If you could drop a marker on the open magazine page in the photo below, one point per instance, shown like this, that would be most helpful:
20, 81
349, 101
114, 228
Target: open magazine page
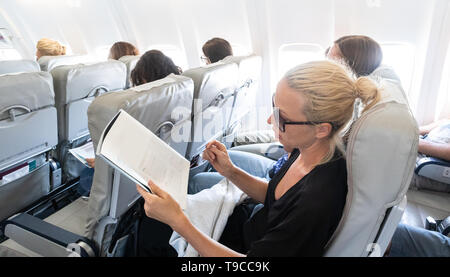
141, 154
83, 152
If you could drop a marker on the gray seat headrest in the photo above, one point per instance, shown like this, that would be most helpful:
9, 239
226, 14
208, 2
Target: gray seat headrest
32, 91
47, 63
18, 66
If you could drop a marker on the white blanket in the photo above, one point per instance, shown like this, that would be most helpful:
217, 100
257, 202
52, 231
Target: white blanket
208, 210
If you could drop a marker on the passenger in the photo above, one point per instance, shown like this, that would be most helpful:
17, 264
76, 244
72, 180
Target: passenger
152, 66
410, 241
307, 119
435, 143
216, 49
49, 47
361, 54
122, 48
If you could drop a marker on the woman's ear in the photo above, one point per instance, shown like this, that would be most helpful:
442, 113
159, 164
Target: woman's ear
323, 130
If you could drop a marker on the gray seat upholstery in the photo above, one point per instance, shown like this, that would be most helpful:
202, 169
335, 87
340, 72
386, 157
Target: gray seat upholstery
27, 103
247, 87
130, 62
164, 107
48, 63
18, 66
76, 86
381, 154
214, 87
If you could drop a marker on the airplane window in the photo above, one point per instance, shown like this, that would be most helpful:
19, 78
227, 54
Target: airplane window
400, 56
174, 53
291, 55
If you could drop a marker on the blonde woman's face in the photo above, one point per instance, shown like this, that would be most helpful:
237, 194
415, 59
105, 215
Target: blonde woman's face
290, 104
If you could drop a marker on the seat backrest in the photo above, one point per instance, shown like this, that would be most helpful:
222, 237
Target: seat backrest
214, 87
164, 107
247, 86
27, 116
18, 66
130, 62
381, 153
48, 63
76, 86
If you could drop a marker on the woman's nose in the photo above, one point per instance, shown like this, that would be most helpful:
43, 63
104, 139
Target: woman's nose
269, 120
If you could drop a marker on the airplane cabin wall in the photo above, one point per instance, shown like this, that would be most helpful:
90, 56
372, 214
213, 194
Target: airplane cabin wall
276, 30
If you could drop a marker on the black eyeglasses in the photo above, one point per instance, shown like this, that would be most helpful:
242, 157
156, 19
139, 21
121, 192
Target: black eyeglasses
281, 123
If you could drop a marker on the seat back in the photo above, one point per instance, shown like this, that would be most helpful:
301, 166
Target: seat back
247, 86
18, 66
28, 130
130, 62
164, 107
48, 63
381, 153
76, 86
214, 87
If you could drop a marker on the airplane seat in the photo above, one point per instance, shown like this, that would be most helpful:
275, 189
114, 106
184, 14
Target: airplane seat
28, 131
246, 90
98, 227
214, 87
130, 62
48, 63
18, 66
76, 86
380, 153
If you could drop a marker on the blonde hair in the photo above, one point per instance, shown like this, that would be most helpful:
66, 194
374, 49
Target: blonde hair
49, 47
330, 92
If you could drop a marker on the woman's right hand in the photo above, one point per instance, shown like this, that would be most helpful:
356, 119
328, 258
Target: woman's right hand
216, 154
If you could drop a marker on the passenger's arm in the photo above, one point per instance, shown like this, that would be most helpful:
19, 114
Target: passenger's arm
216, 153
162, 207
423, 130
437, 150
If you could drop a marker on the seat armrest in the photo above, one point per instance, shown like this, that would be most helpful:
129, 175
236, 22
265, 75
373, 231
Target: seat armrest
433, 168
46, 239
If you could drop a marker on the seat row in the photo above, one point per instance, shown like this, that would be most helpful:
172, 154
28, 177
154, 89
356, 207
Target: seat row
44, 114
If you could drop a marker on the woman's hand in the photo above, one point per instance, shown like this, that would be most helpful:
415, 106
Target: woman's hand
216, 154
91, 162
161, 206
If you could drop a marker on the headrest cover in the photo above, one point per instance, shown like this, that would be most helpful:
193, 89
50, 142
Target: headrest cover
31, 90
18, 66
47, 63
130, 62
74, 82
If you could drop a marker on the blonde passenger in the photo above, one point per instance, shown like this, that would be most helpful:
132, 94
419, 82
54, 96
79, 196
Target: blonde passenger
312, 104
49, 47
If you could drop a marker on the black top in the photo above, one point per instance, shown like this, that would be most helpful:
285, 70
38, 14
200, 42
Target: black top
302, 221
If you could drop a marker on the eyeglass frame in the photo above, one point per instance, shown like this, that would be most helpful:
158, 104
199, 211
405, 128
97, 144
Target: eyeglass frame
282, 124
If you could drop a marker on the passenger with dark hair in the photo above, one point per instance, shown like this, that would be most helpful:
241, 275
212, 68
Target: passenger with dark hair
216, 49
152, 66
122, 48
361, 53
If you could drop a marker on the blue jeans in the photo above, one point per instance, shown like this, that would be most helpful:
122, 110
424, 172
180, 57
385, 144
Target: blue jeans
85, 183
409, 241
253, 164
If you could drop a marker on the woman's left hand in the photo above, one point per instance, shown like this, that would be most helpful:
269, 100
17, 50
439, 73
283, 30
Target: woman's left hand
161, 206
